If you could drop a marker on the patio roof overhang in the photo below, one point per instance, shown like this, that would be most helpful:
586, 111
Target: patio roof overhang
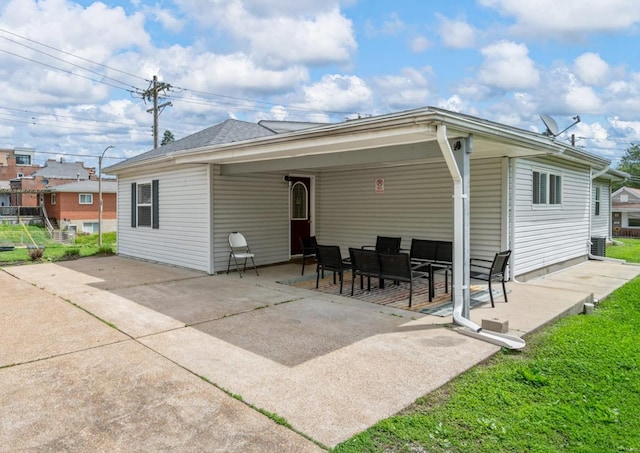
391, 139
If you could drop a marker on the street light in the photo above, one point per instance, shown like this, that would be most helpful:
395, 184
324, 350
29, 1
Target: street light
100, 195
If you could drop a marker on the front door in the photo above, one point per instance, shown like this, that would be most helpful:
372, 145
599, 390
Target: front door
300, 198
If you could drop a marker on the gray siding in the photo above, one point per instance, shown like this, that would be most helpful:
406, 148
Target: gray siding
548, 235
600, 224
488, 197
183, 238
256, 205
417, 202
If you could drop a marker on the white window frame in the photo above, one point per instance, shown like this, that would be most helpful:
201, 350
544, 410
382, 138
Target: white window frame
144, 205
84, 195
598, 196
545, 182
53, 199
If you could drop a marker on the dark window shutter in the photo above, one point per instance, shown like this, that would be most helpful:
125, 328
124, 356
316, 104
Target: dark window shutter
134, 202
154, 203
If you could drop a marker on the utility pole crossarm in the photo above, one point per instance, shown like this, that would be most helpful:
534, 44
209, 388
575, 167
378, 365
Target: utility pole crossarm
152, 95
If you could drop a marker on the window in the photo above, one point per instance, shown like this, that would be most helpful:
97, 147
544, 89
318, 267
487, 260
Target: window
53, 198
597, 204
547, 188
86, 198
23, 159
90, 227
634, 220
624, 198
145, 205
299, 203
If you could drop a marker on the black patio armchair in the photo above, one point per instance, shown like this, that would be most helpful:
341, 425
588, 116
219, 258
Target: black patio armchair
330, 259
385, 244
488, 271
309, 246
397, 267
364, 263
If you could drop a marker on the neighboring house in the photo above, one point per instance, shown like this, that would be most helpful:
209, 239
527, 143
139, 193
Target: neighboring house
625, 209
15, 164
424, 173
28, 188
75, 206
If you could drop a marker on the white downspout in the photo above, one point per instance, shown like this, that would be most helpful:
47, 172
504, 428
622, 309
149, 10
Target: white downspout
459, 301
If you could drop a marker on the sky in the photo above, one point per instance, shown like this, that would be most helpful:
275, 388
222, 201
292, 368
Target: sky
73, 74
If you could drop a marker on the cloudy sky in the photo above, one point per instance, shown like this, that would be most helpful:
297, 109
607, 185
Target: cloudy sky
73, 73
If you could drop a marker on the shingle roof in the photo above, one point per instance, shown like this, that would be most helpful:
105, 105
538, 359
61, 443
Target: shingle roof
62, 170
226, 132
86, 186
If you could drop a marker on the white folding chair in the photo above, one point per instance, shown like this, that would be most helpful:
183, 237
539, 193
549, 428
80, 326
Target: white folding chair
240, 249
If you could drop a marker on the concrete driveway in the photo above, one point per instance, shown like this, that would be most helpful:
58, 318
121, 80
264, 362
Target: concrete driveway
123, 355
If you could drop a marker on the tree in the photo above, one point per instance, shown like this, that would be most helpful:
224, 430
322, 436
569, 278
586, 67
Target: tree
630, 163
167, 138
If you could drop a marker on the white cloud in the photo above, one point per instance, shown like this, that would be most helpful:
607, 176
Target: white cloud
408, 89
338, 93
457, 34
591, 69
507, 66
569, 17
583, 99
391, 26
419, 44
288, 35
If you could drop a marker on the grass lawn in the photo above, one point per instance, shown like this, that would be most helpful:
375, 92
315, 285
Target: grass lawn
16, 235
575, 387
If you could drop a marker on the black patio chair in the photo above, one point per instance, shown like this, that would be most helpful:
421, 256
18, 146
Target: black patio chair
385, 244
330, 259
444, 261
397, 267
488, 271
364, 263
308, 245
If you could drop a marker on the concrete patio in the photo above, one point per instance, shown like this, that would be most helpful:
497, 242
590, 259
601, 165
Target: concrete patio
118, 354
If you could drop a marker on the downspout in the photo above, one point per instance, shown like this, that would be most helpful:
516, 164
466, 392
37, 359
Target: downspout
459, 302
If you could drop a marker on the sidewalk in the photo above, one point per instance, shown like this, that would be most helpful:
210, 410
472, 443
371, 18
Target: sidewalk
115, 354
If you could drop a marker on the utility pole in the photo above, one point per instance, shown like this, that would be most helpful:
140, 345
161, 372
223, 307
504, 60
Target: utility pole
151, 94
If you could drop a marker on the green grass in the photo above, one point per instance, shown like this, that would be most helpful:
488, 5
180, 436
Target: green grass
628, 251
85, 245
576, 387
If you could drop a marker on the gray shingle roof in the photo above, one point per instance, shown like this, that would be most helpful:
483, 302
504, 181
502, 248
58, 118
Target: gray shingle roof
86, 186
62, 170
226, 132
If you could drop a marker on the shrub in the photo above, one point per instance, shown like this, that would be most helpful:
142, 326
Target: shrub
72, 253
36, 253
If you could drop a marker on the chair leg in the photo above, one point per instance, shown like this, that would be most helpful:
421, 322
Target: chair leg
353, 281
254, 266
491, 295
302, 263
237, 266
410, 291
318, 276
229, 263
341, 280
504, 291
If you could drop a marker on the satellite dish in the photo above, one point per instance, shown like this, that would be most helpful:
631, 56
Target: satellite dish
550, 123
552, 126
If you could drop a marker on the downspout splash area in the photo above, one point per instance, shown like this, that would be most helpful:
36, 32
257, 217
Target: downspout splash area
468, 327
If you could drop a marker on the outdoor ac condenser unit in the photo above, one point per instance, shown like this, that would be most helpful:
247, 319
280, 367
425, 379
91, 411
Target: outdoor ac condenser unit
598, 246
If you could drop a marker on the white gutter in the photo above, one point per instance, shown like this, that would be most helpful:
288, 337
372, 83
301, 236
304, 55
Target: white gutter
459, 301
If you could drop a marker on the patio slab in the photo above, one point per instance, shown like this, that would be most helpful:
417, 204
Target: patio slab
330, 365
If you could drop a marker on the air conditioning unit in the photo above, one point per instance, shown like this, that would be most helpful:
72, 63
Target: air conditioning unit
598, 246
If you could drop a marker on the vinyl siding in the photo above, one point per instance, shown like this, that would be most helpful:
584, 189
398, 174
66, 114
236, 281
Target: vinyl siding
183, 238
600, 226
548, 235
256, 205
417, 202
487, 203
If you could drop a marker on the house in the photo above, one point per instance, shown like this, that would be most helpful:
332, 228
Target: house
424, 173
15, 164
625, 212
75, 206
